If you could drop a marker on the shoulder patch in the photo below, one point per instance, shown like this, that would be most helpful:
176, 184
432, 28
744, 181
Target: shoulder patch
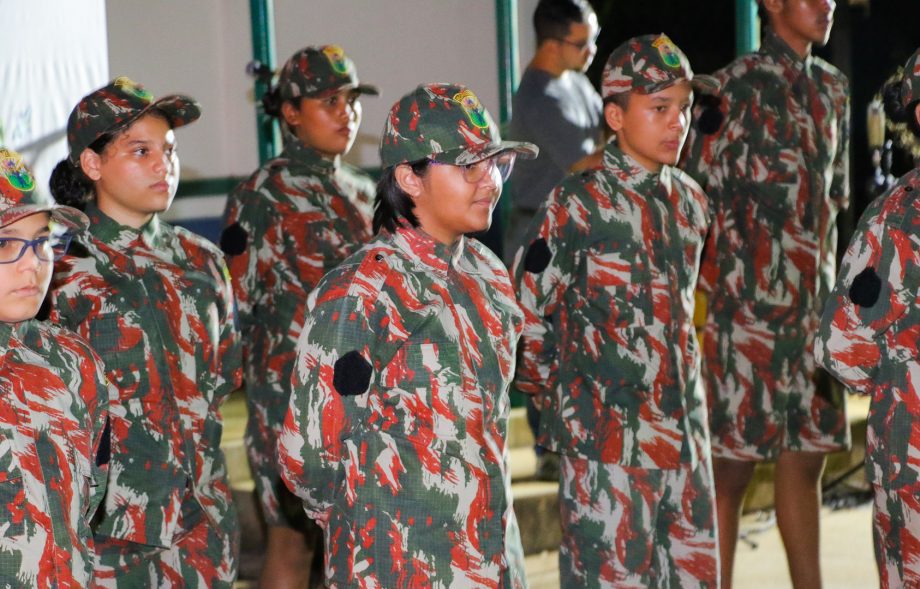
865, 288
538, 256
351, 374
233, 240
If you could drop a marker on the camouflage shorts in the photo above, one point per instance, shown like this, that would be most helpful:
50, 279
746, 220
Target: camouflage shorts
201, 557
765, 393
636, 527
896, 533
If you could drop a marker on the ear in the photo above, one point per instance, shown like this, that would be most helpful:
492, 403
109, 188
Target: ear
917, 113
772, 6
408, 181
290, 112
91, 164
613, 114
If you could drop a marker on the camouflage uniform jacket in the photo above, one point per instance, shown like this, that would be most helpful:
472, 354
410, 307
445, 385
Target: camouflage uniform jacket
54, 402
157, 305
396, 434
615, 258
773, 159
870, 331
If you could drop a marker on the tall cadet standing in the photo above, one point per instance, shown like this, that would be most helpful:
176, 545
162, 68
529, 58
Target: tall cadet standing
614, 253
54, 398
396, 434
773, 159
870, 340
155, 302
293, 220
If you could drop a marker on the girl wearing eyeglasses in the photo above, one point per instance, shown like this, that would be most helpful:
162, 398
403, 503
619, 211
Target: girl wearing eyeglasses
395, 438
155, 302
293, 220
54, 399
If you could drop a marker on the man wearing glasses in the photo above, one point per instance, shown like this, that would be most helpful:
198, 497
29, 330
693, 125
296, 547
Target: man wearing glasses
558, 109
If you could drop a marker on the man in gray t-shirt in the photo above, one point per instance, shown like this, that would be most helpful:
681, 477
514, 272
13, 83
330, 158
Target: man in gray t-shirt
555, 107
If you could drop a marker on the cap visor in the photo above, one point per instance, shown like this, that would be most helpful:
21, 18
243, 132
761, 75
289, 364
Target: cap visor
706, 84
69, 217
180, 110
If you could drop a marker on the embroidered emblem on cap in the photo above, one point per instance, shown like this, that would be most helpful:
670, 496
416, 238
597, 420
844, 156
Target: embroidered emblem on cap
133, 88
336, 57
667, 51
15, 171
472, 107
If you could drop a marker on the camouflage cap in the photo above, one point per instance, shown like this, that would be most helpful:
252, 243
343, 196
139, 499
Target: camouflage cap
648, 64
910, 87
316, 71
117, 105
445, 123
19, 197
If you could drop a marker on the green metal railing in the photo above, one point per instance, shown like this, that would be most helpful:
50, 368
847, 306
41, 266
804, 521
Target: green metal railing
262, 15
747, 26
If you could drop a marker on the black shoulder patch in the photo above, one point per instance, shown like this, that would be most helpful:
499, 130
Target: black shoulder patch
865, 288
233, 240
105, 445
352, 374
538, 257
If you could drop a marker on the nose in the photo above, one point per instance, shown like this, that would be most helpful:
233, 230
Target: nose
29, 260
828, 6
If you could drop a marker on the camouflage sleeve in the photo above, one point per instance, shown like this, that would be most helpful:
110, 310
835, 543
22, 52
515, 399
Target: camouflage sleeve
876, 286
543, 269
840, 182
105, 410
332, 366
230, 373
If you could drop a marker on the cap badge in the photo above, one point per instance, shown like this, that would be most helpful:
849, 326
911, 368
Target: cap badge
15, 171
472, 107
129, 86
667, 51
336, 57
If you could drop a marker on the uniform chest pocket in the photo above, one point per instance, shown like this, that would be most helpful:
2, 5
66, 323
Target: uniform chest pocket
120, 343
619, 282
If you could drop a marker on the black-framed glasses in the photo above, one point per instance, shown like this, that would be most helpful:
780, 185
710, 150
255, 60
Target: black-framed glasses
46, 248
500, 164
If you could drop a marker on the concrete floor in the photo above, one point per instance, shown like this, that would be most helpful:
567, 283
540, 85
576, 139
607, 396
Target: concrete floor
847, 560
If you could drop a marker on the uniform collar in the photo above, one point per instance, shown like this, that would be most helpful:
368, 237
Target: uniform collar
632, 171
431, 252
301, 156
10, 331
112, 233
783, 54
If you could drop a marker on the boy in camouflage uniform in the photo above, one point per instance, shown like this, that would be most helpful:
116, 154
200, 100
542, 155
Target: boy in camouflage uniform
870, 340
293, 220
155, 301
396, 434
614, 253
772, 156
53, 401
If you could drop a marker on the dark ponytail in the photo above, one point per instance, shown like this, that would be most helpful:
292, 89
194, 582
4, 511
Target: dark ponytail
271, 102
901, 121
69, 185
392, 205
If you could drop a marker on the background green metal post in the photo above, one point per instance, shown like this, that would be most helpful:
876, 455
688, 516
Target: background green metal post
747, 26
262, 15
507, 43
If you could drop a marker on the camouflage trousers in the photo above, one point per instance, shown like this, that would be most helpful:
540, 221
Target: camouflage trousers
636, 527
765, 392
896, 533
200, 557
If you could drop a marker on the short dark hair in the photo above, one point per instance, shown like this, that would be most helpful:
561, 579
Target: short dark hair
392, 205
620, 99
553, 18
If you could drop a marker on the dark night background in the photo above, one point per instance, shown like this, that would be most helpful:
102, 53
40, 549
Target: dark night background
870, 39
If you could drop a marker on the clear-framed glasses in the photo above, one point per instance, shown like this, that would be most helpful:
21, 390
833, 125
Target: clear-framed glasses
47, 248
580, 45
500, 164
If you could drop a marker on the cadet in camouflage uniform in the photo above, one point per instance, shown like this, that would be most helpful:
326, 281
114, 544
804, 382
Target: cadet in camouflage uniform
614, 253
396, 434
869, 339
293, 220
155, 301
772, 156
54, 401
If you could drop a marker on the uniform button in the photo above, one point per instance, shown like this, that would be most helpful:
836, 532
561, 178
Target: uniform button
908, 188
378, 257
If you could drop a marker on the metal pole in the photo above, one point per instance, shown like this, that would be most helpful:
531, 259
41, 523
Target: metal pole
747, 26
262, 15
507, 42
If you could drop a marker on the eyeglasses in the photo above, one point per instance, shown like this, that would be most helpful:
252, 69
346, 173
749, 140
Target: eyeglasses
580, 45
46, 248
500, 164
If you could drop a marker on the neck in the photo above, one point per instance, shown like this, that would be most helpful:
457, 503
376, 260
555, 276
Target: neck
801, 46
546, 60
124, 216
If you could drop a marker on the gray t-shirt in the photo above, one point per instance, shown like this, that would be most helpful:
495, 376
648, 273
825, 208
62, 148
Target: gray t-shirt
564, 117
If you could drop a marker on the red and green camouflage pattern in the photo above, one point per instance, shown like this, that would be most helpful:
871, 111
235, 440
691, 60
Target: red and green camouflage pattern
910, 84
649, 64
396, 434
54, 401
157, 305
869, 337
772, 154
317, 71
115, 106
446, 123
606, 281
636, 527
293, 220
